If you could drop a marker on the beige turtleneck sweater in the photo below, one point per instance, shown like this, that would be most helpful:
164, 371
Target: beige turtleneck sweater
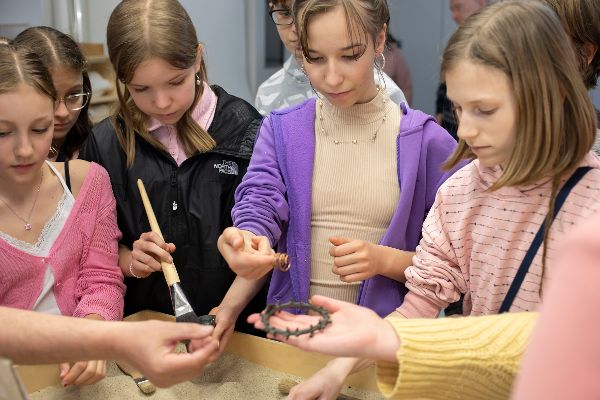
355, 185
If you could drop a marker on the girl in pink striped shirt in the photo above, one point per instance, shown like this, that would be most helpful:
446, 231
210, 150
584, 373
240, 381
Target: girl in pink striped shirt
526, 117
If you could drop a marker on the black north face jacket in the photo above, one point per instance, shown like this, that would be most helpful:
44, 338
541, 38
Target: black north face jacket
192, 203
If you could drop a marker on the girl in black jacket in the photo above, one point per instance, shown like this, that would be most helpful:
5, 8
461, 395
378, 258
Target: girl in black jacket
190, 143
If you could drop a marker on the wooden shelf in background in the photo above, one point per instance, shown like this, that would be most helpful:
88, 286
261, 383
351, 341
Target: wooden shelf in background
107, 98
97, 59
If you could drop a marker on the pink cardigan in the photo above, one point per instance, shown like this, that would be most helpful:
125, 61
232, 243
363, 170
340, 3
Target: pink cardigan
474, 240
562, 361
84, 259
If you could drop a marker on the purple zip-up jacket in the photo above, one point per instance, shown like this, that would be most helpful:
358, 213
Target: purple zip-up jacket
274, 198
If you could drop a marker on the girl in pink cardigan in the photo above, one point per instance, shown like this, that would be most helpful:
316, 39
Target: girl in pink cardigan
526, 116
58, 236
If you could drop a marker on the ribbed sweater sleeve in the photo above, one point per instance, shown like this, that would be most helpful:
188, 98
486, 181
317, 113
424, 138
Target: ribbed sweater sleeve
100, 287
456, 358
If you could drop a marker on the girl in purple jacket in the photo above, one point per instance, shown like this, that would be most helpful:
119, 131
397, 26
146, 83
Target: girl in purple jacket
341, 183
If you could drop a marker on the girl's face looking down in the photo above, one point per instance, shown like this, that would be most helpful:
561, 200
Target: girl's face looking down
26, 127
486, 109
338, 68
162, 91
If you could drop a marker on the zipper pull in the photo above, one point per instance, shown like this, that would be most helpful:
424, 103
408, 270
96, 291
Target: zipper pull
174, 206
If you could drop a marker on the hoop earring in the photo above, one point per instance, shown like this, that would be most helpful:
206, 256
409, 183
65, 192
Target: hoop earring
379, 61
198, 81
379, 64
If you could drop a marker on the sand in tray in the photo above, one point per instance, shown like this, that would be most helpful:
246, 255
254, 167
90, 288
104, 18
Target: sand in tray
231, 377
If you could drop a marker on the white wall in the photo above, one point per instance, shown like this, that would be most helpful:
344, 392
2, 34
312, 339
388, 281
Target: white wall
18, 15
423, 27
221, 26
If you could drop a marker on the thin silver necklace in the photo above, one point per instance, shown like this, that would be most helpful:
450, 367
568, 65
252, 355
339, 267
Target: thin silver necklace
27, 221
353, 141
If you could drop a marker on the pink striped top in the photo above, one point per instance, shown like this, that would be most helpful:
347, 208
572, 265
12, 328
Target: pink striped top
473, 241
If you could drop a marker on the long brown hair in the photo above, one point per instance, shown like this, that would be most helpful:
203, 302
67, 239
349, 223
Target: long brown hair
556, 121
365, 18
23, 66
142, 29
581, 20
57, 49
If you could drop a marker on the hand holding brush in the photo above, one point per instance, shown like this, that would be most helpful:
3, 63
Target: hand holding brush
181, 305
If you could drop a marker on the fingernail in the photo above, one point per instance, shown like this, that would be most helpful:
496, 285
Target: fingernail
170, 260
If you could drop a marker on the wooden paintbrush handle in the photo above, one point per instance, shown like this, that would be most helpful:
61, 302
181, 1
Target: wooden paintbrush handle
140, 380
169, 270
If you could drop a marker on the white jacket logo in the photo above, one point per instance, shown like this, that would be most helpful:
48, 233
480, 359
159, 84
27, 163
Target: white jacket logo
227, 167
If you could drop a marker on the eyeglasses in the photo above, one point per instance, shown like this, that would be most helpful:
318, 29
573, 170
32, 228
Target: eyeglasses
74, 102
281, 16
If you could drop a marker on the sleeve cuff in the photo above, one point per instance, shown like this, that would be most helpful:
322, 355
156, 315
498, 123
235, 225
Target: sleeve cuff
468, 357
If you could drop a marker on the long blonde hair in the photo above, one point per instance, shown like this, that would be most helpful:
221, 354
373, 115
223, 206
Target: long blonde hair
142, 29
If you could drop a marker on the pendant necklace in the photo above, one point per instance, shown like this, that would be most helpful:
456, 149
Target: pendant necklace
27, 222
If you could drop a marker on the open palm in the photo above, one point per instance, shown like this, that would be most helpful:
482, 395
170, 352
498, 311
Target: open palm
353, 332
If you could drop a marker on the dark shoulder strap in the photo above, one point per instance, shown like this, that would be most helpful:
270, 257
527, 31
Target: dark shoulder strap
539, 237
67, 176
61, 157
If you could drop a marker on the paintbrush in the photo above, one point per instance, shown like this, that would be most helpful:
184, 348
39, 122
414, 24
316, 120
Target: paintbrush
183, 310
140, 380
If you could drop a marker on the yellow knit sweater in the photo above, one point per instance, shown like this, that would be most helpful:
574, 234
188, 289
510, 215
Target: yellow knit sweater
456, 358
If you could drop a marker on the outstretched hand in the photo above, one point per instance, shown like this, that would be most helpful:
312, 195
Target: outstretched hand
354, 331
248, 255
